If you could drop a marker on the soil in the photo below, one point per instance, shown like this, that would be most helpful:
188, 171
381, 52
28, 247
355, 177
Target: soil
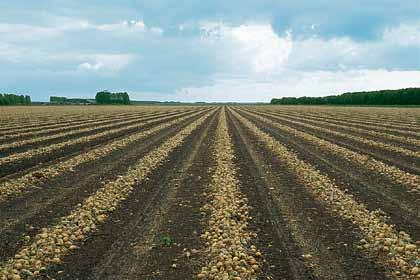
375, 191
38, 161
156, 232
404, 162
41, 207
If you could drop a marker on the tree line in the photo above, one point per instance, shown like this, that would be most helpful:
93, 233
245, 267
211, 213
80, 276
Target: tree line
14, 99
69, 101
407, 96
106, 97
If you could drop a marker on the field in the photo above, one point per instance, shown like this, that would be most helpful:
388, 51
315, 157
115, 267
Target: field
209, 192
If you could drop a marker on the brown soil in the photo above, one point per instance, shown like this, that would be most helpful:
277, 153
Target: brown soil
376, 192
17, 167
43, 206
306, 225
156, 232
407, 163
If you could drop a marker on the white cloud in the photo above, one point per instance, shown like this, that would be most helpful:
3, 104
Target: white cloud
187, 27
29, 45
69, 24
32, 57
335, 53
256, 45
317, 83
10, 33
127, 26
404, 34
10, 53
19, 33
132, 25
106, 62
89, 66
156, 30
320, 83
269, 50
286, 66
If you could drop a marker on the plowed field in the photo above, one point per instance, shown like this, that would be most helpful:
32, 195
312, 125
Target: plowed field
209, 192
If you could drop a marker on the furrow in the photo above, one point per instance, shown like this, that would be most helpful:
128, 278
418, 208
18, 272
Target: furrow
92, 129
58, 129
408, 180
34, 126
387, 118
371, 131
230, 253
51, 120
363, 141
392, 249
15, 158
54, 242
18, 186
356, 118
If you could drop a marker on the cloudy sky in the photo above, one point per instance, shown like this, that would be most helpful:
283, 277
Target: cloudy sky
217, 51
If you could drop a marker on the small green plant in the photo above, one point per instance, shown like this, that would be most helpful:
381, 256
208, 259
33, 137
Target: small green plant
167, 241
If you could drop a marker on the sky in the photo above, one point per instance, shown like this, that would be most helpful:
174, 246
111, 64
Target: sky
241, 51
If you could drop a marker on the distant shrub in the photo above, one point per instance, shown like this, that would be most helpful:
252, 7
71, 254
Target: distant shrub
14, 99
408, 96
106, 97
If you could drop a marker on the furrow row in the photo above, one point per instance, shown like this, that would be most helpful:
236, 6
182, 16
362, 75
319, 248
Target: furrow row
90, 130
230, 253
55, 242
368, 142
362, 115
55, 129
370, 130
43, 150
389, 117
392, 249
51, 120
17, 186
409, 180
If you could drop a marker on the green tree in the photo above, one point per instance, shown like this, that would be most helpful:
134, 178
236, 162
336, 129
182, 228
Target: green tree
13, 99
106, 97
408, 96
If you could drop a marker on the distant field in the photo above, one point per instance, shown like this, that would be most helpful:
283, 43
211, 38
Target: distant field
209, 192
